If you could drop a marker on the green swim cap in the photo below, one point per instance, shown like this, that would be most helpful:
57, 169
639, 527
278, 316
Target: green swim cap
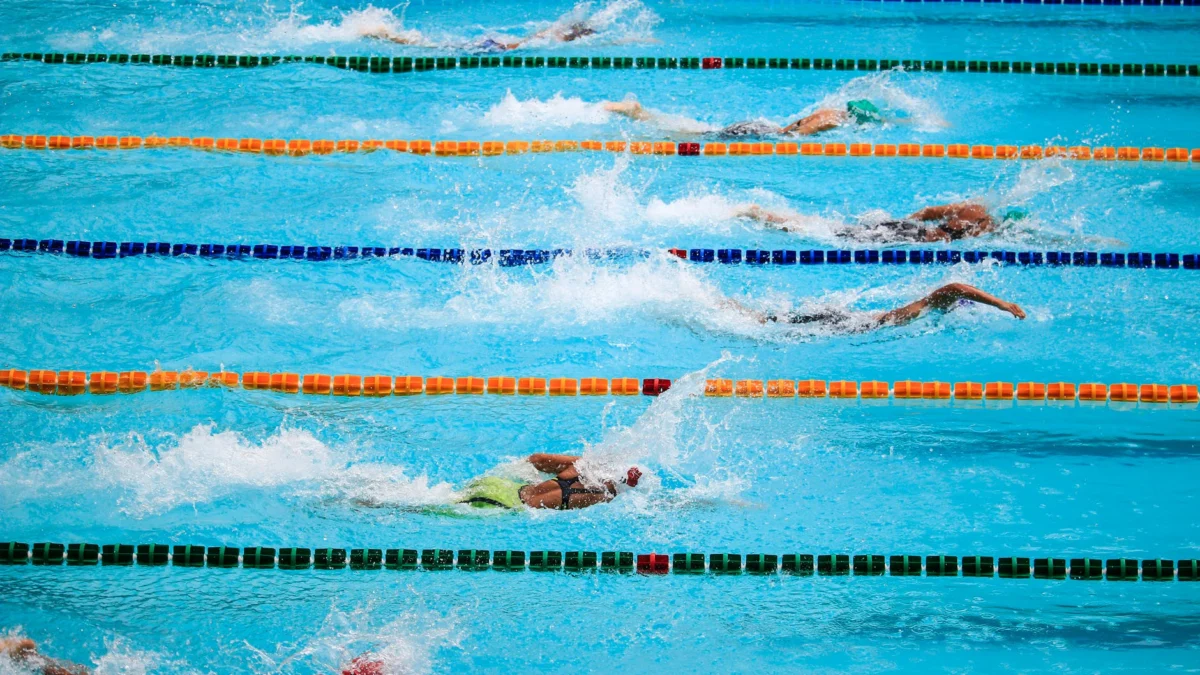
864, 112
1015, 213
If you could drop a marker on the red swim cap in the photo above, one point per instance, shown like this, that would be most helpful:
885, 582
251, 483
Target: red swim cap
632, 478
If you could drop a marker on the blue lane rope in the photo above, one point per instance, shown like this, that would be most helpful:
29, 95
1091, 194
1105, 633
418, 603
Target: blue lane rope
517, 257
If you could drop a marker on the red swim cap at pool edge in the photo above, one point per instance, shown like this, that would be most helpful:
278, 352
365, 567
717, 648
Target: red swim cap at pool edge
361, 665
632, 478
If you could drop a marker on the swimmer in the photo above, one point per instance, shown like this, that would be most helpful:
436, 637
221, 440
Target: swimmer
565, 491
555, 33
23, 651
943, 299
859, 112
947, 222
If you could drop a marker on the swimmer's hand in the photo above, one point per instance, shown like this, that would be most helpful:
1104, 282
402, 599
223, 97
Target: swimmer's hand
751, 211
1014, 309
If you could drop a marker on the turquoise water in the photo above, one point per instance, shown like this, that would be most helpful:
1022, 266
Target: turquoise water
245, 468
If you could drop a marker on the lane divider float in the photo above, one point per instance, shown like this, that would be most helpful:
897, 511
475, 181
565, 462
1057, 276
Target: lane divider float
108, 250
76, 382
797, 564
301, 147
409, 64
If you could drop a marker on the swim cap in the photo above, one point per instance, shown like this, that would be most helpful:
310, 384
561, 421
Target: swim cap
1015, 213
633, 476
863, 111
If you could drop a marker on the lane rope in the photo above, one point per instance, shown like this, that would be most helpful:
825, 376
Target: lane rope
76, 382
798, 564
109, 250
302, 147
409, 64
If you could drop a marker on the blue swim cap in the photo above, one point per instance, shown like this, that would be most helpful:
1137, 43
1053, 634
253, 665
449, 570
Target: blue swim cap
863, 111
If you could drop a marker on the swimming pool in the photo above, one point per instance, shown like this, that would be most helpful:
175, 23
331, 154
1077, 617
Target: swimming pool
219, 466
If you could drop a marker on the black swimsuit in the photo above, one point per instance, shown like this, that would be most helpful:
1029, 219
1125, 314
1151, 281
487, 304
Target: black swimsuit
751, 128
889, 231
840, 320
565, 485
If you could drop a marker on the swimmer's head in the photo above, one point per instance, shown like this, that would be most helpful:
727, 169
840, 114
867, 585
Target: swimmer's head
364, 665
864, 112
577, 31
1013, 214
632, 476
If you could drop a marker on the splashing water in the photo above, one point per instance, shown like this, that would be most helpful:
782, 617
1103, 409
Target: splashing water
608, 196
559, 112
658, 442
119, 658
575, 292
884, 90
122, 659
617, 22
405, 645
1036, 178
604, 196
555, 112
205, 465
293, 30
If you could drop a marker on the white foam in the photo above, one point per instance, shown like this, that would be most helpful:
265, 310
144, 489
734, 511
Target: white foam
75, 41
1035, 178
119, 658
884, 90
294, 29
605, 196
408, 644
608, 196
615, 22
575, 292
204, 465
533, 113
682, 468
693, 209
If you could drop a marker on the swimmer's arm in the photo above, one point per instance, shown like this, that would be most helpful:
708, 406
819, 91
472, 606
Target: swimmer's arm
962, 210
942, 300
756, 212
555, 464
738, 307
631, 109
385, 34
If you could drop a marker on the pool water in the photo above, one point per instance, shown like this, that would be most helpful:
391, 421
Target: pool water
253, 468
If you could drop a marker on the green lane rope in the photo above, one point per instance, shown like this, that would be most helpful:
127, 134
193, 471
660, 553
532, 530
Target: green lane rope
407, 64
799, 564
